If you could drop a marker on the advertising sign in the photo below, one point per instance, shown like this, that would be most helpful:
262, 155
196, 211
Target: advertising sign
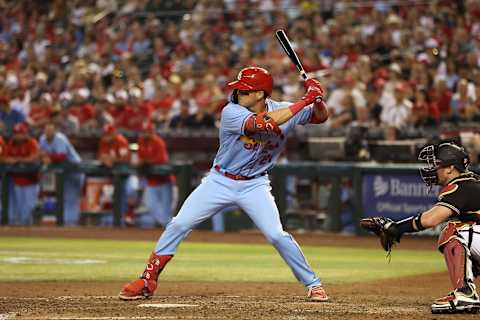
98, 195
396, 196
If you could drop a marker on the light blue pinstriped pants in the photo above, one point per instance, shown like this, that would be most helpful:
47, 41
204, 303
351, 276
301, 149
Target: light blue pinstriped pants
217, 192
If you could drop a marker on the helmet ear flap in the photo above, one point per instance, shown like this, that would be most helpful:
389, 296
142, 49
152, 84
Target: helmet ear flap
234, 96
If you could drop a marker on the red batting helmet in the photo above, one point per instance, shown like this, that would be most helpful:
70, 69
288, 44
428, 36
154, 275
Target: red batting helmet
20, 128
253, 78
108, 128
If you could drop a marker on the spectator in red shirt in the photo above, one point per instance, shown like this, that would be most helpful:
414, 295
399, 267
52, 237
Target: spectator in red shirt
22, 149
209, 94
137, 112
442, 97
80, 109
40, 112
2, 149
118, 106
424, 112
163, 98
112, 147
159, 188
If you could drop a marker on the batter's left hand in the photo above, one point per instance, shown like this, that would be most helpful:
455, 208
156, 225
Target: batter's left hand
313, 83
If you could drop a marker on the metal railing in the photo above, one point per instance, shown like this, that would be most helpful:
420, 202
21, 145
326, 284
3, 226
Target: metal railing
118, 174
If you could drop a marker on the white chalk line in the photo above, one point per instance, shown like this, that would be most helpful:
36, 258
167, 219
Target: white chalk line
66, 261
7, 316
166, 305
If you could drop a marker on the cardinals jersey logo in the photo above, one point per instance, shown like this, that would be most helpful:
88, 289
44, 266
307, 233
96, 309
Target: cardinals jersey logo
449, 189
251, 140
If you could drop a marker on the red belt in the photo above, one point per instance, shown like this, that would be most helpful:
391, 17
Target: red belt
236, 176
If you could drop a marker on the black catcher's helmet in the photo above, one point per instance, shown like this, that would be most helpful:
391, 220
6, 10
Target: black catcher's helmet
442, 155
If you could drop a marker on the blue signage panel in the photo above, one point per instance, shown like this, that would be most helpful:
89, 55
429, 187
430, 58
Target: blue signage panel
396, 196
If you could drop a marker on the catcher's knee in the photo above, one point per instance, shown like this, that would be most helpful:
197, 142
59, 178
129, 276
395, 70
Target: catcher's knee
457, 249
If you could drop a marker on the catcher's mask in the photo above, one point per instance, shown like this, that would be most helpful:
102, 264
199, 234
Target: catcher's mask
443, 155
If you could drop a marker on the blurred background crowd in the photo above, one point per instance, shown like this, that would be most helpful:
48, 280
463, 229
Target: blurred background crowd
398, 64
392, 69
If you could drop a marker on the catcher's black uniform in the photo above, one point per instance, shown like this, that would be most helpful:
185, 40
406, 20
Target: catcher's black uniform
459, 240
462, 196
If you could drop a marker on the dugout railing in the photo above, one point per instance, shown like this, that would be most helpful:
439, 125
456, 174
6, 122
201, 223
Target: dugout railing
327, 171
118, 174
389, 189
395, 190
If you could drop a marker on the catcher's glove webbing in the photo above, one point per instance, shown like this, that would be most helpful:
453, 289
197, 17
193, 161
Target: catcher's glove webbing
385, 229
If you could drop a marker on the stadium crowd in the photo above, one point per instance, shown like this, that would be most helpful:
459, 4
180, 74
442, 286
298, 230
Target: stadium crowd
399, 66
88, 63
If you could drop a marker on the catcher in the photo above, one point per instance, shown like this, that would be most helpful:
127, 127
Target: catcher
459, 242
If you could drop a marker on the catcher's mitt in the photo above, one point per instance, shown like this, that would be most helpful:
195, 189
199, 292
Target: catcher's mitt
384, 228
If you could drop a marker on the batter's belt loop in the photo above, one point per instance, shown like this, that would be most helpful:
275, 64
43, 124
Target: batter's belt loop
236, 176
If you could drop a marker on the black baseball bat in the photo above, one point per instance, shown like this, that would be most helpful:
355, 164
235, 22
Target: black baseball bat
287, 47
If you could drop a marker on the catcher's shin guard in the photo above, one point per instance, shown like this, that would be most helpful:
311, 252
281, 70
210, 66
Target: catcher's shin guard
463, 298
459, 263
145, 286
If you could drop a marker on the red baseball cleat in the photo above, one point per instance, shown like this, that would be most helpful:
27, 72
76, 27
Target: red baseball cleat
138, 289
317, 293
144, 287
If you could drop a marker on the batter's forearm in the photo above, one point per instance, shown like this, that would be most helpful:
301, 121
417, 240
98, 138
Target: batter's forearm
314, 92
280, 116
271, 121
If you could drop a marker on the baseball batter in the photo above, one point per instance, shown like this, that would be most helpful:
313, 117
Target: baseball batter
459, 242
252, 135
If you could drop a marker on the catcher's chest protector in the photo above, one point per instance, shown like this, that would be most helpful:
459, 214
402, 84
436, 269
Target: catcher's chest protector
462, 196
